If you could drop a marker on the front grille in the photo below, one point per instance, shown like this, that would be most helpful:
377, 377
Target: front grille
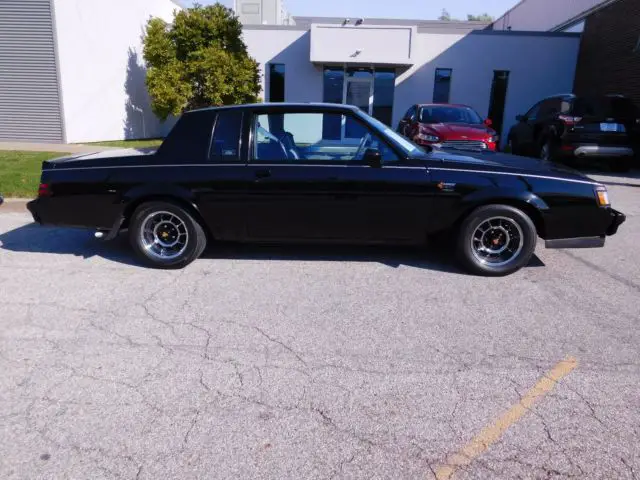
465, 144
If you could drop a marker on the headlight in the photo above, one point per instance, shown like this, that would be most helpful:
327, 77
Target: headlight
602, 196
494, 139
427, 138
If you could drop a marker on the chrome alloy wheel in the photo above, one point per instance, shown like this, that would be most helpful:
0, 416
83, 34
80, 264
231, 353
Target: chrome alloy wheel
497, 241
545, 152
164, 235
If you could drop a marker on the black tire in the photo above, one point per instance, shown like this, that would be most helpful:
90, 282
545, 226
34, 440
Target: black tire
621, 165
193, 237
513, 226
546, 150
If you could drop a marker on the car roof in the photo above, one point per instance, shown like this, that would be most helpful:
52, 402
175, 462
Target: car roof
443, 105
279, 105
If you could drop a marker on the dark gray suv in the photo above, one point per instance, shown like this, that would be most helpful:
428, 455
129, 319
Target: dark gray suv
565, 127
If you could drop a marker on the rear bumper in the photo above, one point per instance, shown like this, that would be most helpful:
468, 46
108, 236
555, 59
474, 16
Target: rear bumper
32, 206
616, 219
603, 151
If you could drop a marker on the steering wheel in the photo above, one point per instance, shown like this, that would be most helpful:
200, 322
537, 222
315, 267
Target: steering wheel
359, 155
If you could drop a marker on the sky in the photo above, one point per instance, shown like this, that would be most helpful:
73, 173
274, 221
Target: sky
414, 9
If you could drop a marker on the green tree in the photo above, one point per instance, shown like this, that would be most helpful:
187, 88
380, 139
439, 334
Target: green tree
445, 16
197, 61
484, 17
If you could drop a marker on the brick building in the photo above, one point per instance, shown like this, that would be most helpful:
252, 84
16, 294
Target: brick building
609, 58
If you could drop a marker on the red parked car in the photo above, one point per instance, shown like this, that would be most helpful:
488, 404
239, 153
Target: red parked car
448, 126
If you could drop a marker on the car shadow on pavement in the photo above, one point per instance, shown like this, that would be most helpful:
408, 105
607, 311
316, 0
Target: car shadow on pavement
66, 241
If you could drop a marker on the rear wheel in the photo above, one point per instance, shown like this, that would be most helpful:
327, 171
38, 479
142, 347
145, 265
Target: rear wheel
165, 235
496, 240
545, 151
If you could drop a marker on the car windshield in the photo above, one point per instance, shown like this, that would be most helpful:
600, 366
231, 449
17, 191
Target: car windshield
449, 114
401, 142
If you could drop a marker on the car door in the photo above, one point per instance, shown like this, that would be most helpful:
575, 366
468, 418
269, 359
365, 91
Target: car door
313, 184
522, 137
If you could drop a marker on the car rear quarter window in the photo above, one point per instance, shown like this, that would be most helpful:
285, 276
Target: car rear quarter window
188, 141
225, 145
606, 107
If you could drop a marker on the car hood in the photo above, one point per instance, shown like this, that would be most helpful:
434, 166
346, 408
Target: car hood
503, 162
460, 131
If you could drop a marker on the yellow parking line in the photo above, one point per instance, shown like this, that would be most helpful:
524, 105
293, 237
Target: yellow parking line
492, 433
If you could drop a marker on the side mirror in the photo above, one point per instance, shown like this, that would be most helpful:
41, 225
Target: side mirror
521, 118
373, 157
488, 122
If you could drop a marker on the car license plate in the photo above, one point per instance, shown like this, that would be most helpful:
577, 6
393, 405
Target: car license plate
611, 127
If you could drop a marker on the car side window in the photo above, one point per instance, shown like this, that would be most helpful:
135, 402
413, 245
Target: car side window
411, 114
305, 138
549, 108
532, 114
225, 144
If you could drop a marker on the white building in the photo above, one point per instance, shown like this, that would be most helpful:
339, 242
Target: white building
384, 66
548, 15
72, 70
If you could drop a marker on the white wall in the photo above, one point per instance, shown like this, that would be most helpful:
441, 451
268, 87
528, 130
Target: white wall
543, 15
303, 80
101, 67
539, 65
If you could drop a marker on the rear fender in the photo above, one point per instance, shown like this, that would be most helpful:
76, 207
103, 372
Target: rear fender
166, 192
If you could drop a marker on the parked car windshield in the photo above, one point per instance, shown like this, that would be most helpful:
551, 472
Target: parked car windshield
605, 107
449, 114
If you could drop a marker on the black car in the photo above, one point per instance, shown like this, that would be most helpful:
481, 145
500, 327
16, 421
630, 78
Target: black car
320, 173
566, 127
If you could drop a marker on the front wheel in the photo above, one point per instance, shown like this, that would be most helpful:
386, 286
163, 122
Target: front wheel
165, 235
496, 240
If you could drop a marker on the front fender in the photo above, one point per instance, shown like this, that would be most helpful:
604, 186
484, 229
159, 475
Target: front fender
490, 195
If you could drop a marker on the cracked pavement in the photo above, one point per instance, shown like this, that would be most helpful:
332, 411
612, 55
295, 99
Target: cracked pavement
313, 362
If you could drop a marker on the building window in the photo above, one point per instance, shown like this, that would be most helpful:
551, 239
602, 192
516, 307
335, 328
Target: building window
384, 84
442, 85
498, 99
333, 90
276, 82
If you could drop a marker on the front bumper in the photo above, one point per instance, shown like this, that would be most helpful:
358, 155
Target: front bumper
617, 219
603, 151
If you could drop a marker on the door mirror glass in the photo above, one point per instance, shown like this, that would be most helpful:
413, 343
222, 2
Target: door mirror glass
488, 122
373, 157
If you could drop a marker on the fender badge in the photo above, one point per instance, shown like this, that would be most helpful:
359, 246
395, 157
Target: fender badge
446, 187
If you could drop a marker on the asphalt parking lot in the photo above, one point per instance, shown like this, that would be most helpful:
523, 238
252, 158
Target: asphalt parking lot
262, 362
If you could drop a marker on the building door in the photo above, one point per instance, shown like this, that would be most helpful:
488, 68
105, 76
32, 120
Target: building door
358, 91
498, 99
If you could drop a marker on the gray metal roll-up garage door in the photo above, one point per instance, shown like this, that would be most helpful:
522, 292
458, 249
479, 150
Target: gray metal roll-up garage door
29, 93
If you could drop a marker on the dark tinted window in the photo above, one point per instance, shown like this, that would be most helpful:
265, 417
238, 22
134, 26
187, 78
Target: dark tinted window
188, 141
225, 146
533, 113
411, 113
442, 85
550, 107
276, 82
605, 107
